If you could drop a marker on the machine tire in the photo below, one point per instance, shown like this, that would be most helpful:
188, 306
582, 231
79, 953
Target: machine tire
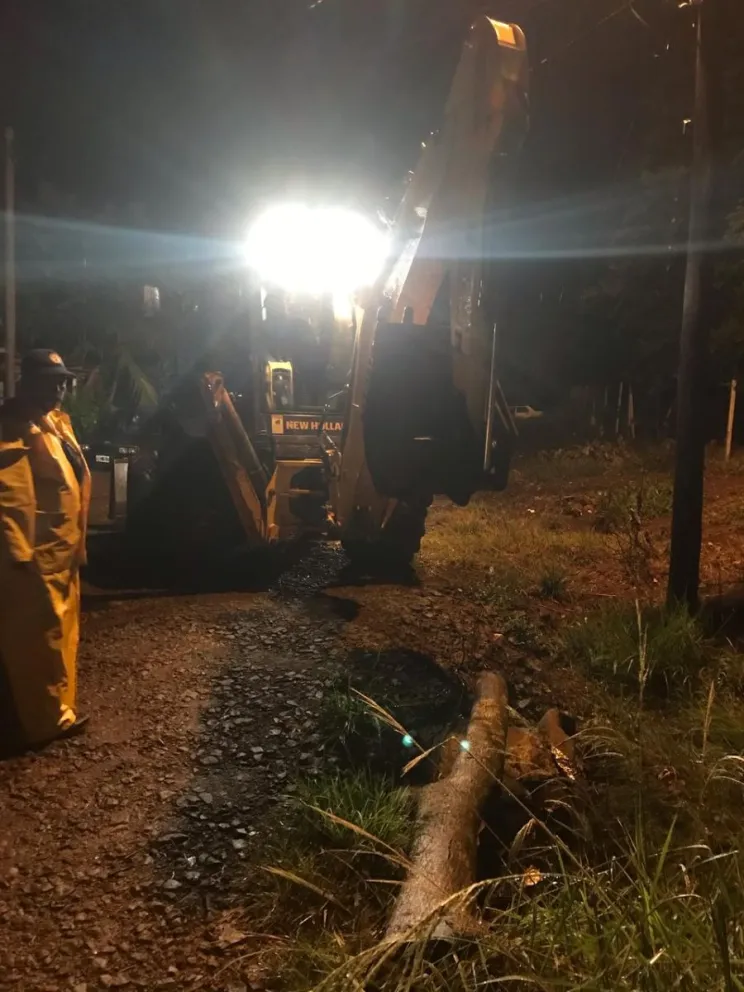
396, 546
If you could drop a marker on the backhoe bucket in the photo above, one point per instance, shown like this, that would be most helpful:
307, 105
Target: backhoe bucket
417, 434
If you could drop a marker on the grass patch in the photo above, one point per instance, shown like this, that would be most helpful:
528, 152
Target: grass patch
497, 587
522, 629
595, 460
655, 902
662, 908
620, 506
589, 461
345, 719
335, 857
561, 469
716, 464
345, 810
661, 649
553, 584
487, 535
714, 722
652, 921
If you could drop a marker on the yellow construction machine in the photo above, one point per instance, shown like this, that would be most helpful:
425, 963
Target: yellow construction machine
347, 414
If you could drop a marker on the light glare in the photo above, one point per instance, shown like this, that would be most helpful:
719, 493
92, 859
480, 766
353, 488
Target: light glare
316, 249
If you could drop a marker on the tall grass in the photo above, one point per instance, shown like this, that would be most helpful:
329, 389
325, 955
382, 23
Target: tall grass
659, 912
652, 921
650, 917
553, 584
624, 647
334, 859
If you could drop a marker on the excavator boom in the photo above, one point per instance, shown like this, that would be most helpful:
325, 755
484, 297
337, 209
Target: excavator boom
428, 312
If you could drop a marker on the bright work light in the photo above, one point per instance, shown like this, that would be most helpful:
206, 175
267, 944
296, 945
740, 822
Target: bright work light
316, 249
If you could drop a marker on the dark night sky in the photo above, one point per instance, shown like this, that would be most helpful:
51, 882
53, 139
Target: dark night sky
192, 108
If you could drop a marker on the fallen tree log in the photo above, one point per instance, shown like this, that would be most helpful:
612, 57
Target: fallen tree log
445, 851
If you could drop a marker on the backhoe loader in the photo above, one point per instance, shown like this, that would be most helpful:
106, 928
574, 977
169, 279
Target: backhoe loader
344, 426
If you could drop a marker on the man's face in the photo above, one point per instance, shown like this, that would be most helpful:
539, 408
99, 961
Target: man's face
46, 391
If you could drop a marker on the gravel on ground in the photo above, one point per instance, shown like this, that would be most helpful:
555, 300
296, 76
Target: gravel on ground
121, 851
125, 854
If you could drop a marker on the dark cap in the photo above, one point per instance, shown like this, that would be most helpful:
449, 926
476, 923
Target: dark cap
44, 362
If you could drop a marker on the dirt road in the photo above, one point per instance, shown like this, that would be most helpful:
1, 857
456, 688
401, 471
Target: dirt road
124, 855
121, 852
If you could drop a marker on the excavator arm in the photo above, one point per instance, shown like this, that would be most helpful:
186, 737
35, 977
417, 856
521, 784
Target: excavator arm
426, 414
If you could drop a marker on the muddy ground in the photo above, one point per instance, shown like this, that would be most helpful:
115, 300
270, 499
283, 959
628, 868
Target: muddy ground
123, 853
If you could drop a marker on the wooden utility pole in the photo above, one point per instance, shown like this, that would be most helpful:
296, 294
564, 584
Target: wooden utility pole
731, 415
10, 276
687, 507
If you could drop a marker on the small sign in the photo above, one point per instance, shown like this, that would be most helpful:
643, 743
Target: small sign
297, 423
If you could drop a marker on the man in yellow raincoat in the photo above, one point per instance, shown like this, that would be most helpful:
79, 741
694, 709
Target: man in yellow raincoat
44, 500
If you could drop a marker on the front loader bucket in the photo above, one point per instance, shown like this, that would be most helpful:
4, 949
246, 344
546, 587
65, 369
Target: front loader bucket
196, 487
181, 512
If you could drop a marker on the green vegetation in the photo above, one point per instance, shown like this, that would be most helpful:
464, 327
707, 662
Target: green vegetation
619, 507
639, 907
590, 461
652, 921
334, 859
553, 584
345, 717
650, 897
85, 407
347, 809
629, 647
514, 547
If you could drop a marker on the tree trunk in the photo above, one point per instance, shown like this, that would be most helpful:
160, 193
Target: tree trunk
444, 855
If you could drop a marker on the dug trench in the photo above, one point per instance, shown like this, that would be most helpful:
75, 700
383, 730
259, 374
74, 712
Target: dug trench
134, 856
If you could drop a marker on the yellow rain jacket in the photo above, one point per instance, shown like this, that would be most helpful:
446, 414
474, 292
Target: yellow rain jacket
43, 518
